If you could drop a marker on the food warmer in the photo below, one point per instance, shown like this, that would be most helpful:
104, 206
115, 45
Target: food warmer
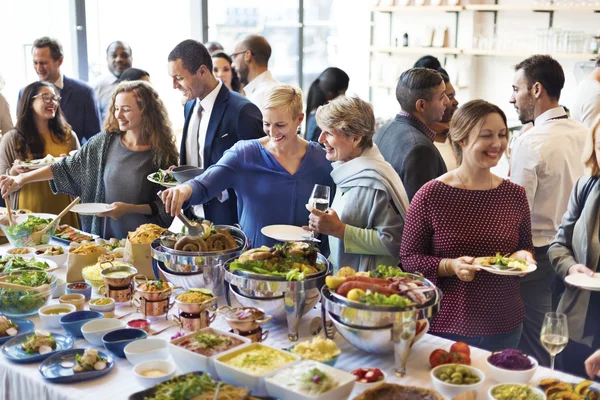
380, 329
274, 295
196, 269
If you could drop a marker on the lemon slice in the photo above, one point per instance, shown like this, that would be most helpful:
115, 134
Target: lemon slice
201, 290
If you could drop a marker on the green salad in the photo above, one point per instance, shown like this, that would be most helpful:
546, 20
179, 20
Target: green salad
19, 235
377, 299
15, 302
385, 272
15, 264
189, 386
164, 176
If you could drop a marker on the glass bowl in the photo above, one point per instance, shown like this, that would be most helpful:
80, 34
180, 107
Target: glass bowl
24, 303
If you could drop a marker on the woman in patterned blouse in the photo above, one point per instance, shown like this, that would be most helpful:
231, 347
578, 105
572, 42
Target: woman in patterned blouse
467, 213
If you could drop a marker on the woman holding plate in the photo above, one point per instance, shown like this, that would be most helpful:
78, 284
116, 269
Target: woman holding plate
41, 131
466, 213
574, 255
112, 167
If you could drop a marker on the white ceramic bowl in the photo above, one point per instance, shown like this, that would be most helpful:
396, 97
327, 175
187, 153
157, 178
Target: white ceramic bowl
23, 252
146, 350
278, 383
502, 375
60, 259
238, 377
94, 330
188, 361
364, 386
451, 390
61, 287
102, 308
52, 321
162, 365
537, 391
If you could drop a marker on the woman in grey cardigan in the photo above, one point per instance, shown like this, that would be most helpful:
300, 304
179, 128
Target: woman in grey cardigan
366, 218
113, 165
576, 250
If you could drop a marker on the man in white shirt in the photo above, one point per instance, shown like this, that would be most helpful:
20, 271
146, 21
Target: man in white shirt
546, 161
586, 108
251, 61
215, 119
118, 59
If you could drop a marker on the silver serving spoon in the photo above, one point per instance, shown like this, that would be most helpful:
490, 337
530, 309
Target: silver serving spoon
194, 228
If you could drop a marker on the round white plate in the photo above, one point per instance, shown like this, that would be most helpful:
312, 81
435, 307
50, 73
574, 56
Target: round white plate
286, 233
530, 268
91, 208
73, 152
41, 165
584, 281
167, 185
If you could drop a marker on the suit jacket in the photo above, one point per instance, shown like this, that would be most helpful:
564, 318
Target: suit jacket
79, 105
233, 118
414, 157
577, 243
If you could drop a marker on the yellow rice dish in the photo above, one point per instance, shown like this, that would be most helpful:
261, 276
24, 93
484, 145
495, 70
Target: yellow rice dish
257, 359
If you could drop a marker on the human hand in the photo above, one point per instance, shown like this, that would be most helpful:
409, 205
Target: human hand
524, 255
580, 269
10, 184
174, 198
118, 210
18, 169
592, 365
463, 268
327, 223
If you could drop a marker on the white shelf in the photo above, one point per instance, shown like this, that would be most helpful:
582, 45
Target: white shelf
504, 53
417, 8
416, 50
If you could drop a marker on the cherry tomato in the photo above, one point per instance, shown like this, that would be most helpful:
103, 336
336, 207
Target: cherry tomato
459, 358
461, 347
438, 357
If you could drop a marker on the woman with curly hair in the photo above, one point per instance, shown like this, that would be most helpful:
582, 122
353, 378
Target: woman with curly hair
113, 165
41, 130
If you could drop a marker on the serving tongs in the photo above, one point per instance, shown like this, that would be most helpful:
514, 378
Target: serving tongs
41, 289
36, 236
194, 228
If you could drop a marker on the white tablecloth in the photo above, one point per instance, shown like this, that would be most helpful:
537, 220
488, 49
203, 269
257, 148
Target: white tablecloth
24, 382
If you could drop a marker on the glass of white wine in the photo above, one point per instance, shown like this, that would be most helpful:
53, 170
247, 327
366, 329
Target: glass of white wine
319, 199
555, 334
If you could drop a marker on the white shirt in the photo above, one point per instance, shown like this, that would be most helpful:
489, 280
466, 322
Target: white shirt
546, 161
259, 87
447, 153
586, 107
104, 87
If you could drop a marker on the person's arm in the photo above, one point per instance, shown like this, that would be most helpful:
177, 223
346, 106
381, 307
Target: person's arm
418, 168
592, 365
5, 118
10, 184
523, 168
7, 153
249, 123
560, 253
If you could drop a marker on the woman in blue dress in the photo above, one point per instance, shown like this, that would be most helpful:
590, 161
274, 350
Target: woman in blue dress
273, 177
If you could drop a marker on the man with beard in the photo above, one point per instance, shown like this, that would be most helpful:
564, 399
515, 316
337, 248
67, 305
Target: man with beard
442, 141
118, 59
251, 61
546, 161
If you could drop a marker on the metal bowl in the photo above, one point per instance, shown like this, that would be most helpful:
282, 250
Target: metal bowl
197, 308
210, 278
253, 322
118, 282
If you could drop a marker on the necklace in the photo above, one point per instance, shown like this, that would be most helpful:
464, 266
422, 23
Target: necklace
465, 186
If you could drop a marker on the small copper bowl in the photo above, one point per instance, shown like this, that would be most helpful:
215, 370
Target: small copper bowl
252, 318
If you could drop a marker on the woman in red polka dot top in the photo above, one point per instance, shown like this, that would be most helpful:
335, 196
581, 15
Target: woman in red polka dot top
467, 213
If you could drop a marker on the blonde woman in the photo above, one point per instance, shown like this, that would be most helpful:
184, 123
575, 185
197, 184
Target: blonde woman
575, 250
366, 218
112, 166
465, 213
273, 177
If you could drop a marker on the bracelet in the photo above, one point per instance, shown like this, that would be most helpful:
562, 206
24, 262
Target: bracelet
444, 265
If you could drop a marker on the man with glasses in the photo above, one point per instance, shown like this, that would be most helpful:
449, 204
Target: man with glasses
77, 100
215, 119
251, 61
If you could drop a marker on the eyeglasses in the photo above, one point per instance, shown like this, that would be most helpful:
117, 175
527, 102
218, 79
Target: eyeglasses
48, 98
233, 55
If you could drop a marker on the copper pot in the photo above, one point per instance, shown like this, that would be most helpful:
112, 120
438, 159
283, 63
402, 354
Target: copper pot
152, 308
153, 295
119, 294
256, 317
194, 322
197, 308
256, 336
118, 282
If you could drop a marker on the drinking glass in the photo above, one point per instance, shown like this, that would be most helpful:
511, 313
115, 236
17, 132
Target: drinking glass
555, 334
319, 199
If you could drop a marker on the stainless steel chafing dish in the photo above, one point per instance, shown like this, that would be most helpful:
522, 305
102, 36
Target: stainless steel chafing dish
275, 295
379, 329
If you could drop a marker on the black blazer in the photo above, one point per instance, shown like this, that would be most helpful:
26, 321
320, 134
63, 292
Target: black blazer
412, 154
233, 118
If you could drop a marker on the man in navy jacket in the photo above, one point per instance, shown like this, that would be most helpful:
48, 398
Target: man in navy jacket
215, 119
77, 102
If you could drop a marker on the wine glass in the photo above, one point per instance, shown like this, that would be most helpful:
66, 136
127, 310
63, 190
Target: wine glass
555, 334
319, 199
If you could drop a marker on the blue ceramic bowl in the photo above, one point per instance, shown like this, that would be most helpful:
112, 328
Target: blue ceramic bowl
331, 362
73, 322
116, 341
87, 292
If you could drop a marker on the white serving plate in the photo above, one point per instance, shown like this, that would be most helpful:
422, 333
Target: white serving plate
164, 184
285, 233
91, 208
584, 281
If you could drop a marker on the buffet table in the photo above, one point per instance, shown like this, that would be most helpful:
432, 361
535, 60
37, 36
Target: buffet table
23, 381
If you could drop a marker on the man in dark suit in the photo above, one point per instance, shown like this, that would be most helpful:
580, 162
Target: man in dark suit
77, 101
215, 119
406, 142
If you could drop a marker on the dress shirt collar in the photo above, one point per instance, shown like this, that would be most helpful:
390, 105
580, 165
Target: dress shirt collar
208, 102
256, 82
60, 82
550, 114
427, 131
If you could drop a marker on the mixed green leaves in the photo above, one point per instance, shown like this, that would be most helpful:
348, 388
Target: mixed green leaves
385, 272
377, 299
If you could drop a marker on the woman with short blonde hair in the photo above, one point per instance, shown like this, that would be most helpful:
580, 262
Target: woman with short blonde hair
350, 116
273, 177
